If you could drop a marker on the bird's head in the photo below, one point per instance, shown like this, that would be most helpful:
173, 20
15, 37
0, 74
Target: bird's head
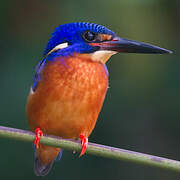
95, 41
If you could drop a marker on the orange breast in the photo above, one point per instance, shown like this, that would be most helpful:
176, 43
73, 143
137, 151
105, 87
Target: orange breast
69, 97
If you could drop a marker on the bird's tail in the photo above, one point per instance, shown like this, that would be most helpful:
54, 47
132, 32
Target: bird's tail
44, 159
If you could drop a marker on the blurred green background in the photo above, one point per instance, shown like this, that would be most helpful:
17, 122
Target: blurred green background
141, 110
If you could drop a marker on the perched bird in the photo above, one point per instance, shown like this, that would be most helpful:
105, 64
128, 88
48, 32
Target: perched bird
70, 85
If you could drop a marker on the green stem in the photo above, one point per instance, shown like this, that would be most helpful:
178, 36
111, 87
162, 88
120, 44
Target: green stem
94, 149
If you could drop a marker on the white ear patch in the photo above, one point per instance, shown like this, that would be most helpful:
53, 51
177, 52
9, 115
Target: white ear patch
102, 56
59, 46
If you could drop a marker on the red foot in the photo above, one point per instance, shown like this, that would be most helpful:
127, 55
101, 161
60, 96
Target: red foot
84, 142
39, 133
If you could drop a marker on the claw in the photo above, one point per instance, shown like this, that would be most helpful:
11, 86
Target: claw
84, 142
39, 133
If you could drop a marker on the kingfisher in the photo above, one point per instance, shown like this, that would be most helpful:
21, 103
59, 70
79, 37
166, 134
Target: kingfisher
70, 84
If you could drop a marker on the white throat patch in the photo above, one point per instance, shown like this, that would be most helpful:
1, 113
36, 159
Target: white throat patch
102, 55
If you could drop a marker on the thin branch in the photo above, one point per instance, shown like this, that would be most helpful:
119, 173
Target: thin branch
94, 149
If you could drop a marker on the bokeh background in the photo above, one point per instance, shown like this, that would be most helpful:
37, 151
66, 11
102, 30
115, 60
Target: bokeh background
141, 111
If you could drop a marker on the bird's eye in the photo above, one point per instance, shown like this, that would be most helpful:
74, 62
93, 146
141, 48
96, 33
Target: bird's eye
89, 36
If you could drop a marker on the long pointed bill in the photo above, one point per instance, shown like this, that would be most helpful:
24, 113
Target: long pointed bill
129, 46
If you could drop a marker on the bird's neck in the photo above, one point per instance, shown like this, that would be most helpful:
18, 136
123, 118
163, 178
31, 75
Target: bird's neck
76, 72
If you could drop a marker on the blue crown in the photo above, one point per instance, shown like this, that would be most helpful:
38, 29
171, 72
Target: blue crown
72, 33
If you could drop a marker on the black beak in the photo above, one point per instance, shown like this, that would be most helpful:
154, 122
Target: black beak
129, 46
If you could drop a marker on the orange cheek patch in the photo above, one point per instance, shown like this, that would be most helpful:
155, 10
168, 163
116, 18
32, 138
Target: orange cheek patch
102, 38
105, 37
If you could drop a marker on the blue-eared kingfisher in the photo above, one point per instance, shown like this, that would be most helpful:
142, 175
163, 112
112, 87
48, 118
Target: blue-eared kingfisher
70, 84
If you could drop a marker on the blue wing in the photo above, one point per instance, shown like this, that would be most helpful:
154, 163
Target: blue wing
37, 74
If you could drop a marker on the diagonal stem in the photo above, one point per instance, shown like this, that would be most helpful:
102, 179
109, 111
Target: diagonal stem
94, 149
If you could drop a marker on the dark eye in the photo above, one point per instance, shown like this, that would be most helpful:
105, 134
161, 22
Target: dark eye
89, 36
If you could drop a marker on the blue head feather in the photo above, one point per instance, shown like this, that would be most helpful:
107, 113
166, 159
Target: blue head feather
70, 33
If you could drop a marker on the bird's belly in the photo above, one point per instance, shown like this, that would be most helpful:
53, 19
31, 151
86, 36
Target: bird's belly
69, 117
69, 105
